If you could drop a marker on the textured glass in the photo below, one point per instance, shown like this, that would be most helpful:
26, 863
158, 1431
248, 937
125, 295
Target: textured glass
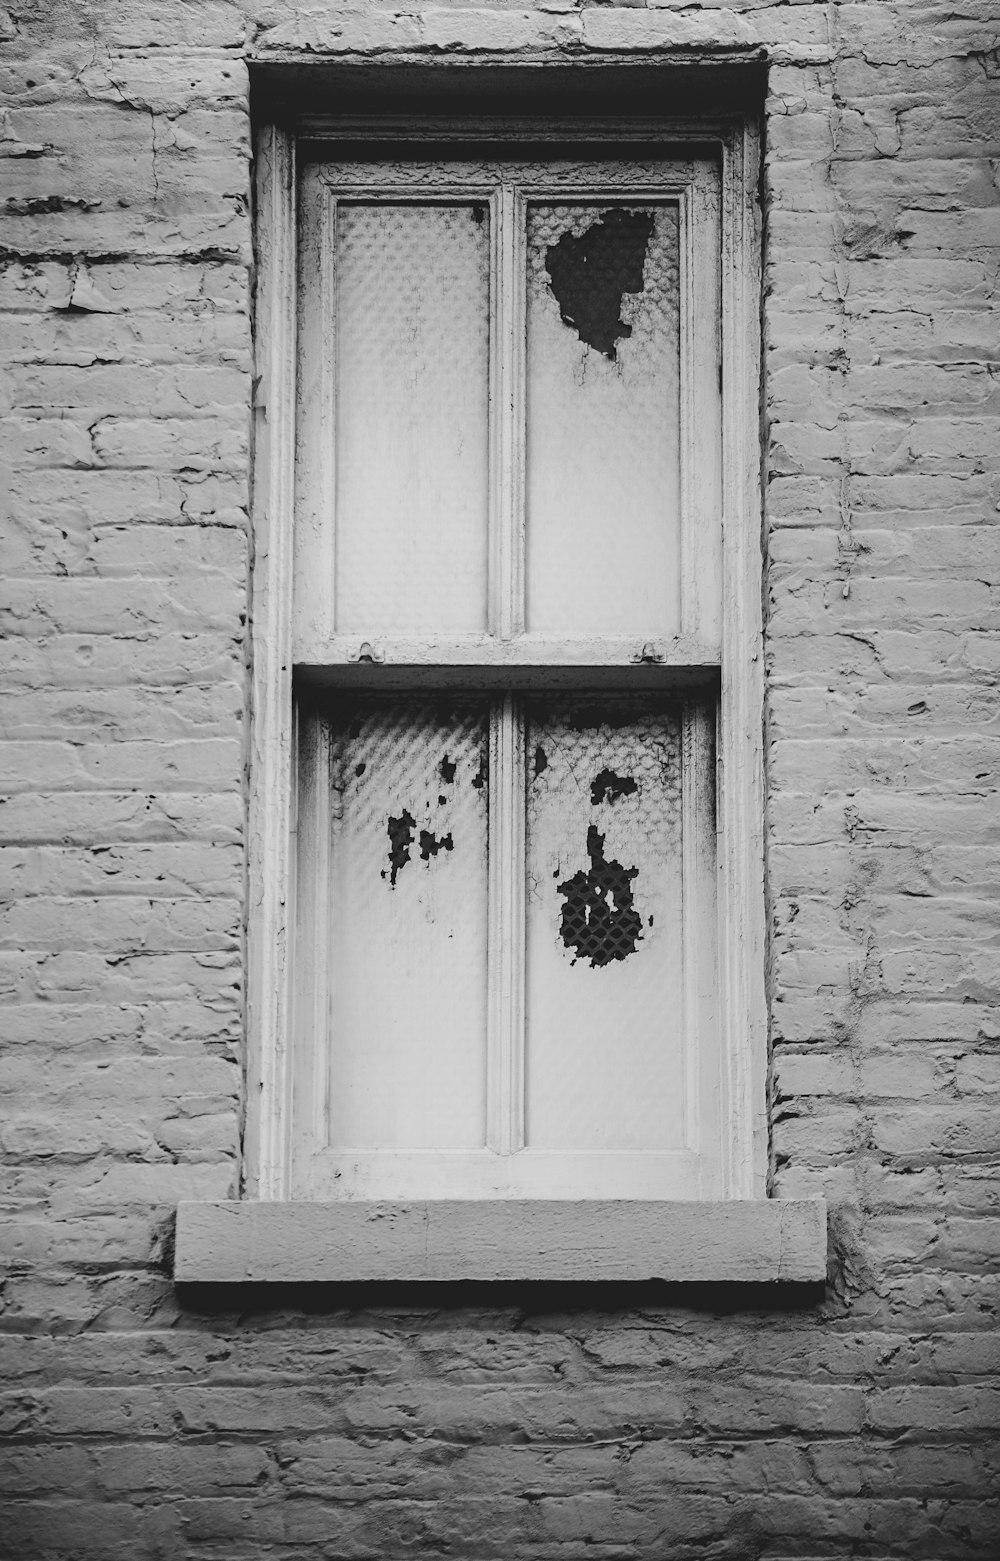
407, 946
604, 990
412, 347
602, 493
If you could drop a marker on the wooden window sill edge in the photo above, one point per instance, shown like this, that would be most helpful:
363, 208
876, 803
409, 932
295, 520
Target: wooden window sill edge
778, 1241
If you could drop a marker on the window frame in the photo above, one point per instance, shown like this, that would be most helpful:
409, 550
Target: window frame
746, 1236
743, 1012
519, 660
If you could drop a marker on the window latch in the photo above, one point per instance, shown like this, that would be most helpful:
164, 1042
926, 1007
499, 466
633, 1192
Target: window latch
366, 651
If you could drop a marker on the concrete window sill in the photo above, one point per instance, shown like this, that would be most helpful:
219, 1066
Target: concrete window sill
764, 1241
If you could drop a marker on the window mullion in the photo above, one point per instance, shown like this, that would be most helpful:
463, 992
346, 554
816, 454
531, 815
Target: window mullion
506, 606
505, 1040
315, 1037
691, 778
700, 431
642, 805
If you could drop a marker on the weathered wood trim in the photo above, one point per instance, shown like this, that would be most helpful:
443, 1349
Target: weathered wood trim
505, 995
688, 618
758, 1241
415, 127
741, 760
488, 650
376, 1176
506, 617
704, 1126
523, 661
699, 220
270, 785
307, 1126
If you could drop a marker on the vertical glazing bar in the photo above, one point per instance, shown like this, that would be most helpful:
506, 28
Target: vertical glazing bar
701, 407
690, 780
312, 1039
688, 443
706, 1129
326, 477
507, 574
505, 1058
328, 812
505, 1043
315, 484
495, 588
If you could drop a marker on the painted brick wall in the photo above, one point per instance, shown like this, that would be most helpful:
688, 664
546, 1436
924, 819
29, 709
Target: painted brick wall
524, 1423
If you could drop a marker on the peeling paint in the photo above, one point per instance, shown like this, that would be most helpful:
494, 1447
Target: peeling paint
431, 844
400, 832
608, 787
541, 761
590, 274
599, 921
45, 205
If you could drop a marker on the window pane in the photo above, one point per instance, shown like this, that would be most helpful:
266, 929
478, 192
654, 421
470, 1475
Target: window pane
604, 990
406, 951
412, 417
602, 492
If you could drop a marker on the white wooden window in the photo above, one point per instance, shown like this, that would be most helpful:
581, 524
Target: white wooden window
506, 874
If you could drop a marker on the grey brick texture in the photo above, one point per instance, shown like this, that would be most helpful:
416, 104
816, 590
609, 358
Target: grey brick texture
503, 1424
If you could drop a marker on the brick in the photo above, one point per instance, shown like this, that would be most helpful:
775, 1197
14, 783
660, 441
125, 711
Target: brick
951, 765
509, 30
927, 1133
201, 765
175, 23
181, 867
168, 82
978, 1074
98, 818
120, 389
179, 1026
81, 661
123, 713
851, 1469
162, 1467
91, 1528
73, 976
107, 607
934, 1409
799, 35
33, 1469
151, 336
100, 1243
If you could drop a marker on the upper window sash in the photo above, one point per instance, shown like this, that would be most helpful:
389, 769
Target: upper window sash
482, 225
